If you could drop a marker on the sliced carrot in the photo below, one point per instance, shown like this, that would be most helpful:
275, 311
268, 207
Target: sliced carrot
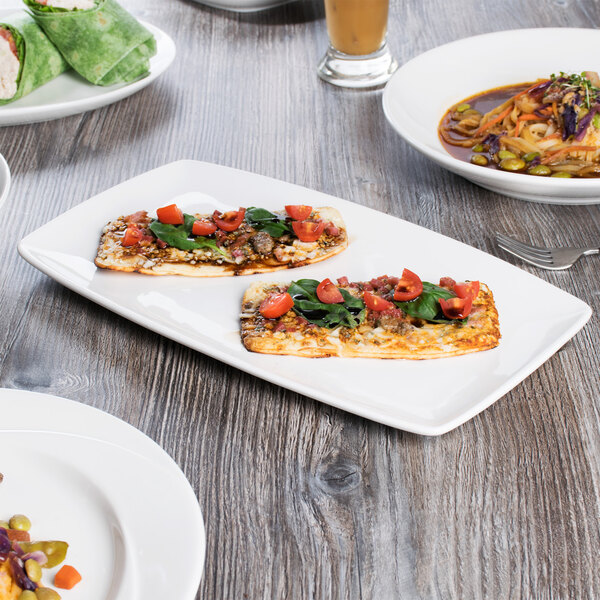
67, 577
555, 111
526, 117
552, 155
530, 88
493, 121
552, 136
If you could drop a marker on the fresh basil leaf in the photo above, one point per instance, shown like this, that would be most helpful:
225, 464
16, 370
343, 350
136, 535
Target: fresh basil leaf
306, 304
263, 220
178, 236
427, 305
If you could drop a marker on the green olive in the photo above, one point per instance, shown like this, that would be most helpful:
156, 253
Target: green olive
479, 159
33, 570
540, 170
506, 154
46, 594
27, 595
20, 522
478, 148
55, 551
561, 174
512, 164
530, 156
462, 107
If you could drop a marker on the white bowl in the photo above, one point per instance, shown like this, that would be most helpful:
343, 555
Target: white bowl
421, 91
4, 180
243, 6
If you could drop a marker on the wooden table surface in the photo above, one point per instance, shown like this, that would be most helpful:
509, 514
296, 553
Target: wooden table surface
302, 500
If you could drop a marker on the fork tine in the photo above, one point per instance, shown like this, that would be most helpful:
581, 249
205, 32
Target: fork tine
543, 263
545, 258
520, 246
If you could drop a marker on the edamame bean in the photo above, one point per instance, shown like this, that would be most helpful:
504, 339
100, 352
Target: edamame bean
46, 594
33, 570
478, 148
27, 595
20, 522
512, 164
479, 159
540, 170
462, 107
506, 154
530, 156
561, 174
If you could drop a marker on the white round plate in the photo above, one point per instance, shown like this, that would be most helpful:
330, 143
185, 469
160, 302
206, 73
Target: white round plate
243, 5
4, 180
70, 94
421, 91
131, 519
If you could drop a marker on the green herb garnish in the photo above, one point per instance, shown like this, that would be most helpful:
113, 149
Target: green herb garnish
577, 82
306, 304
263, 220
180, 236
427, 305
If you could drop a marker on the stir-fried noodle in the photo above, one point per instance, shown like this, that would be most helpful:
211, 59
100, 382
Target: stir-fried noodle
551, 128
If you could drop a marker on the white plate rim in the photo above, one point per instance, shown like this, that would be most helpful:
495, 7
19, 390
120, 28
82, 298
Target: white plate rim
551, 186
584, 313
160, 62
4, 173
28, 411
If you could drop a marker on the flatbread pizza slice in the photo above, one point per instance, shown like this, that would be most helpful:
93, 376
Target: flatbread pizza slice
387, 317
242, 242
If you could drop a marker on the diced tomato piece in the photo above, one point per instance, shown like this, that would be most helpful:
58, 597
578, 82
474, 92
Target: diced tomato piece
377, 303
332, 230
456, 308
132, 236
7, 35
276, 305
230, 220
328, 293
203, 227
17, 535
298, 212
308, 231
467, 289
343, 281
447, 282
170, 215
409, 287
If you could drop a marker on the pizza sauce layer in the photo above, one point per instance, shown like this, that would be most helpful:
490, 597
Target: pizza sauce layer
386, 317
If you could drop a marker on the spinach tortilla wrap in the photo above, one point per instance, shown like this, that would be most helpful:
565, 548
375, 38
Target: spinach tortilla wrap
98, 38
28, 59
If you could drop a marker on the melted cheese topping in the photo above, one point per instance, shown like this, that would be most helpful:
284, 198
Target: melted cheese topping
9, 71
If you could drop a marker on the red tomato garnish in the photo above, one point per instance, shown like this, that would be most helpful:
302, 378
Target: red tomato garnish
4, 33
203, 227
298, 212
409, 287
170, 215
308, 231
230, 220
132, 235
275, 305
467, 289
343, 281
377, 303
456, 308
328, 293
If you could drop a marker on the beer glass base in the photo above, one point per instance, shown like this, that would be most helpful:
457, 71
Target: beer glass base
347, 70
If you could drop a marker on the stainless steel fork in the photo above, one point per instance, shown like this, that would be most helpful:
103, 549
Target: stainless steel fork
546, 258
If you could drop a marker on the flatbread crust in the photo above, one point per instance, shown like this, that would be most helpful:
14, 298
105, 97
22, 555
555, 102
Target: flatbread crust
150, 260
291, 336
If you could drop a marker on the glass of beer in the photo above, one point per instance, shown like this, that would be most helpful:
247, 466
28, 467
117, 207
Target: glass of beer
357, 55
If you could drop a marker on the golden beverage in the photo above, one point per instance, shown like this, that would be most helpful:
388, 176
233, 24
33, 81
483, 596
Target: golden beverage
356, 27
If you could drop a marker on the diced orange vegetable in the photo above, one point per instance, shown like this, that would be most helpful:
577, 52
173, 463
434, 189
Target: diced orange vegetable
67, 577
16, 535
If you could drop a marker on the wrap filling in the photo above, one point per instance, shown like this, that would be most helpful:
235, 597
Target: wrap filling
9, 65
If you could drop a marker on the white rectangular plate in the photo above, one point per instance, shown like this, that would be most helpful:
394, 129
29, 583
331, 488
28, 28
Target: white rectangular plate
428, 397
